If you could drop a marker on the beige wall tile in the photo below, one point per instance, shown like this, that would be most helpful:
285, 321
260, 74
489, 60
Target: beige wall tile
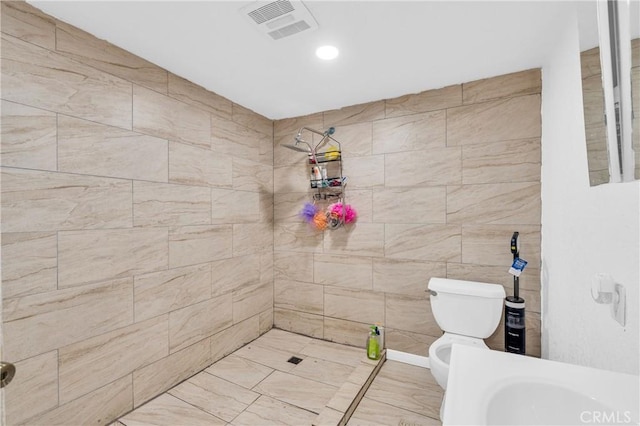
293, 266
298, 322
410, 205
102, 55
440, 243
25, 22
298, 237
28, 136
188, 92
362, 239
39, 323
354, 305
298, 296
590, 62
165, 291
192, 165
250, 300
283, 156
290, 126
498, 203
362, 201
156, 204
43, 79
234, 337
35, 390
231, 138
159, 115
293, 178
230, 274
29, 263
406, 341
250, 238
515, 84
73, 202
410, 133
504, 119
88, 365
340, 271
355, 139
98, 407
231, 206
429, 100
86, 256
504, 161
405, 276
167, 372
189, 245
288, 205
95, 149
252, 176
438, 166
346, 332
199, 321
410, 314
529, 280
365, 172
266, 320
252, 120
485, 244
354, 114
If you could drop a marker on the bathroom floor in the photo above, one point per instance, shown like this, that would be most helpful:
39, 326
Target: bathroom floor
257, 385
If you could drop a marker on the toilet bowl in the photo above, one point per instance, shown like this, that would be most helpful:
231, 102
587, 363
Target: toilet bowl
467, 312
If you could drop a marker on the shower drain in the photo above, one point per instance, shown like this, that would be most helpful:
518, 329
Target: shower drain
294, 360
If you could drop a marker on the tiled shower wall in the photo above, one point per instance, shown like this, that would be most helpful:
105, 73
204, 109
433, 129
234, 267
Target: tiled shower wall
137, 228
441, 180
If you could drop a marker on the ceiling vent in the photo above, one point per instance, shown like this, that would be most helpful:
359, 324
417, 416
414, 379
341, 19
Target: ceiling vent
281, 18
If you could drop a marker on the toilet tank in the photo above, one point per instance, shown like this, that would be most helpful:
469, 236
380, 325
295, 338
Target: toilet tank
468, 308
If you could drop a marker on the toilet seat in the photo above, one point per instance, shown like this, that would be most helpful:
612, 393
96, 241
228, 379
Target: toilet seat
440, 354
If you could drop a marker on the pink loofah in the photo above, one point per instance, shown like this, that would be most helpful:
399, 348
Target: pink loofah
338, 210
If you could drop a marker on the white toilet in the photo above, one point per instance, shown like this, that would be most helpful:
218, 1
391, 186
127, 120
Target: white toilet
467, 312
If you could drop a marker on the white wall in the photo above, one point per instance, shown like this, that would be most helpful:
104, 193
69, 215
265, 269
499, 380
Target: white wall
585, 230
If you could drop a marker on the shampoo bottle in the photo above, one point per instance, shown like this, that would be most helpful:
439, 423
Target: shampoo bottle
373, 343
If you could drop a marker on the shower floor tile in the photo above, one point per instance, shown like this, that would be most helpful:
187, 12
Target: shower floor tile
257, 386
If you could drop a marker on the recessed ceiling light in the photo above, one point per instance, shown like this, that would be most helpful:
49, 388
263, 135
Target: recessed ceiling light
327, 52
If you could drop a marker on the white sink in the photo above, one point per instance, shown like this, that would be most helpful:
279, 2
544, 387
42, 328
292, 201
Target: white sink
496, 388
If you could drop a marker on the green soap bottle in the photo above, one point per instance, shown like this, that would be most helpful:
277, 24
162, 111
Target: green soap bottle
373, 343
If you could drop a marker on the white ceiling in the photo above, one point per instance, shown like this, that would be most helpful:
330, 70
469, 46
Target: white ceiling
387, 48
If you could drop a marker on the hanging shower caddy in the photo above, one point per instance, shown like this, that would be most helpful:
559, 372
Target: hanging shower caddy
325, 171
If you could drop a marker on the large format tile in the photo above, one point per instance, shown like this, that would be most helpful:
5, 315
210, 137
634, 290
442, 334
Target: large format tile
234, 337
159, 115
251, 299
251, 175
167, 410
362, 239
499, 204
161, 375
98, 407
503, 119
298, 391
36, 389
266, 411
189, 245
28, 136
344, 331
439, 243
323, 371
299, 322
250, 238
365, 172
284, 340
334, 352
86, 256
215, 396
95, 149
27, 23
252, 120
102, 55
484, 244
44, 79
501, 162
29, 263
72, 201
191, 165
354, 114
514, 84
293, 266
429, 100
270, 357
297, 237
160, 204
410, 133
342, 271
240, 371
199, 321
410, 314
165, 291
375, 413
355, 140
188, 92
42, 322
437, 166
231, 206
407, 341
92, 363
298, 296
233, 273
354, 305
410, 205
233, 139
405, 276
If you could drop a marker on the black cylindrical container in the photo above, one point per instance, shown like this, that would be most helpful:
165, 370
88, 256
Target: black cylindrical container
514, 328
